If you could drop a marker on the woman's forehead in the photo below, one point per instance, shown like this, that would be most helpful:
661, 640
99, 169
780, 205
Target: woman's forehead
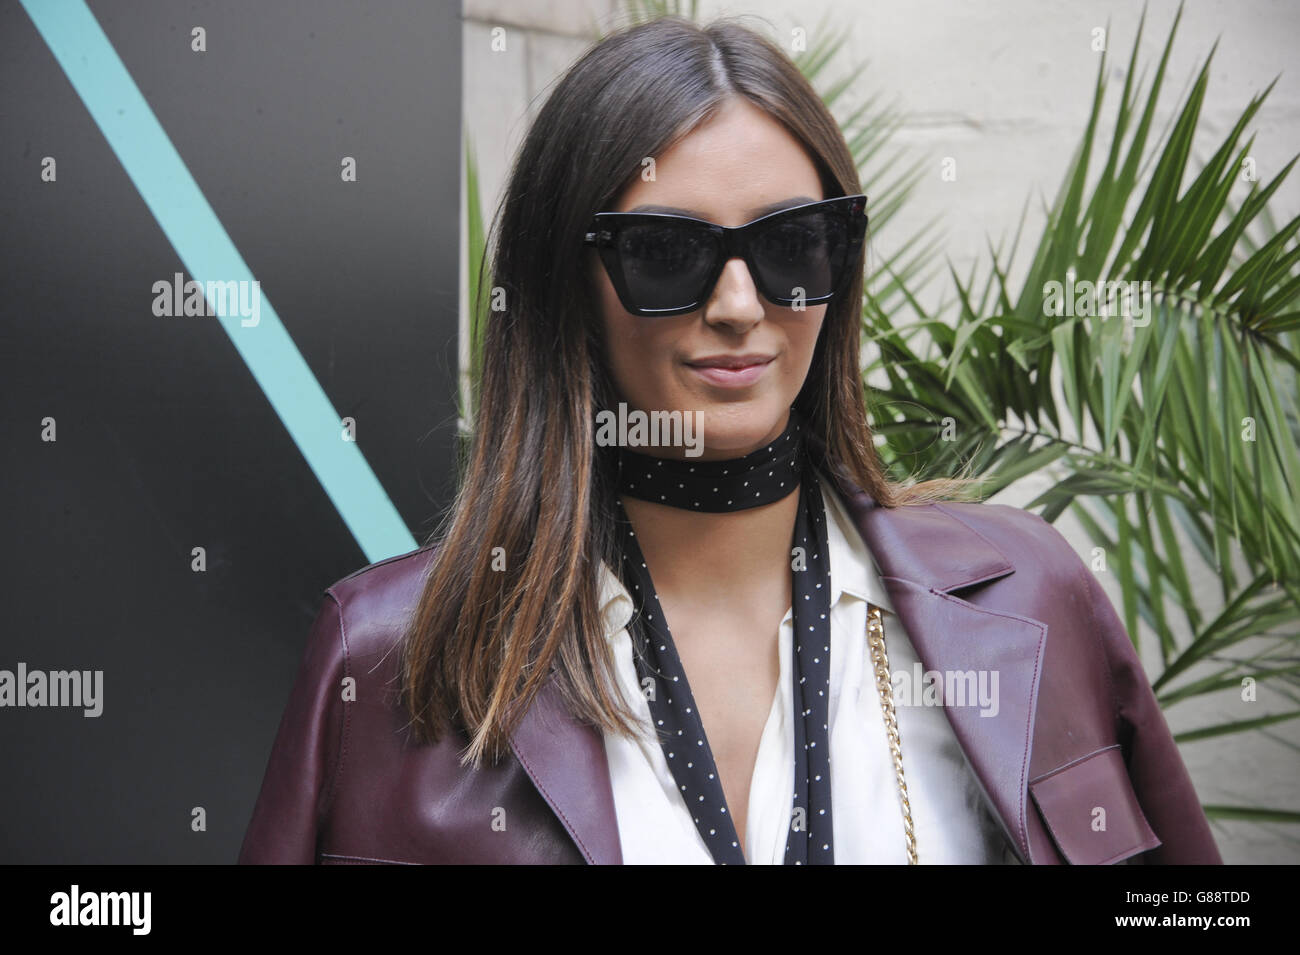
736, 166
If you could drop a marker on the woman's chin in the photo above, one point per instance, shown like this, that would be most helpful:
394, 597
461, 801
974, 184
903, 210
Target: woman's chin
735, 432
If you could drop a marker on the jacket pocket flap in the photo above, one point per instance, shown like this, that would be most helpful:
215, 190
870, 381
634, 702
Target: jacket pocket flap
1092, 812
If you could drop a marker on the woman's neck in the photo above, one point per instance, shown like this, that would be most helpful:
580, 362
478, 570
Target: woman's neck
724, 552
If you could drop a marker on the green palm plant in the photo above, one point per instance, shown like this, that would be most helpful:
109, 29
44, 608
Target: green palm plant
1172, 437
476, 245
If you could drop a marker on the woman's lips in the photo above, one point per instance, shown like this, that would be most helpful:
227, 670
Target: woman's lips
735, 373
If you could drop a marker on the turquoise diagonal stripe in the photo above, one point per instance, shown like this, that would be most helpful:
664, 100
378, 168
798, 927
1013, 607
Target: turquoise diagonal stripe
104, 85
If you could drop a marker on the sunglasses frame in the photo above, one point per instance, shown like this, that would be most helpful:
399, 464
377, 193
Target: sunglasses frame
734, 241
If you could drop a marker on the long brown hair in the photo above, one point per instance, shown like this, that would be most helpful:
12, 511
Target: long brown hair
511, 592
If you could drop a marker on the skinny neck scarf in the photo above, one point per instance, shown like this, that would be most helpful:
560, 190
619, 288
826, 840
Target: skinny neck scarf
762, 477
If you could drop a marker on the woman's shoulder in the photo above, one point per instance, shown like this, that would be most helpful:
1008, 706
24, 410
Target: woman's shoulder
372, 606
962, 543
1026, 539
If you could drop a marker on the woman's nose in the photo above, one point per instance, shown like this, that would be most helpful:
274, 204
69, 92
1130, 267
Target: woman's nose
735, 299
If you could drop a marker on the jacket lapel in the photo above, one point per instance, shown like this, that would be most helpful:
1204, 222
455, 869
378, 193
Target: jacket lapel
566, 761
926, 555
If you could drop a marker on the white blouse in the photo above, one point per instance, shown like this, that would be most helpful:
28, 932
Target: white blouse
952, 821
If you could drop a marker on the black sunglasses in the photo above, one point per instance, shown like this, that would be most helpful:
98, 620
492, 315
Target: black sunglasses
663, 264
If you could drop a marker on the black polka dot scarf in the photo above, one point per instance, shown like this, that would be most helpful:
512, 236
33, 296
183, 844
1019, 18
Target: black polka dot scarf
762, 477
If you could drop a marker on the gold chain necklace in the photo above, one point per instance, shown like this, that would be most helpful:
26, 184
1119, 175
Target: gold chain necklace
879, 658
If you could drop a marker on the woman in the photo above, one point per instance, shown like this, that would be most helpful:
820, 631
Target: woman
677, 612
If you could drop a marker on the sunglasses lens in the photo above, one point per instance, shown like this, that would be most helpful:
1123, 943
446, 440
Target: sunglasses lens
665, 267
803, 252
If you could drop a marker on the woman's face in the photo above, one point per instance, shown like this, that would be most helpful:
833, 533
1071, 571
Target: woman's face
729, 170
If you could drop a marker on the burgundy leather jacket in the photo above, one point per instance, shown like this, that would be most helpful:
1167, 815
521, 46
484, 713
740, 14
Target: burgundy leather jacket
1078, 764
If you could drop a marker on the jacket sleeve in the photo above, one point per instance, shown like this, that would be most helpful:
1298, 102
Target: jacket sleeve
302, 770
1160, 780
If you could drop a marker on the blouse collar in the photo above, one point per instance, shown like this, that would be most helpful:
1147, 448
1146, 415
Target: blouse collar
853, 570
